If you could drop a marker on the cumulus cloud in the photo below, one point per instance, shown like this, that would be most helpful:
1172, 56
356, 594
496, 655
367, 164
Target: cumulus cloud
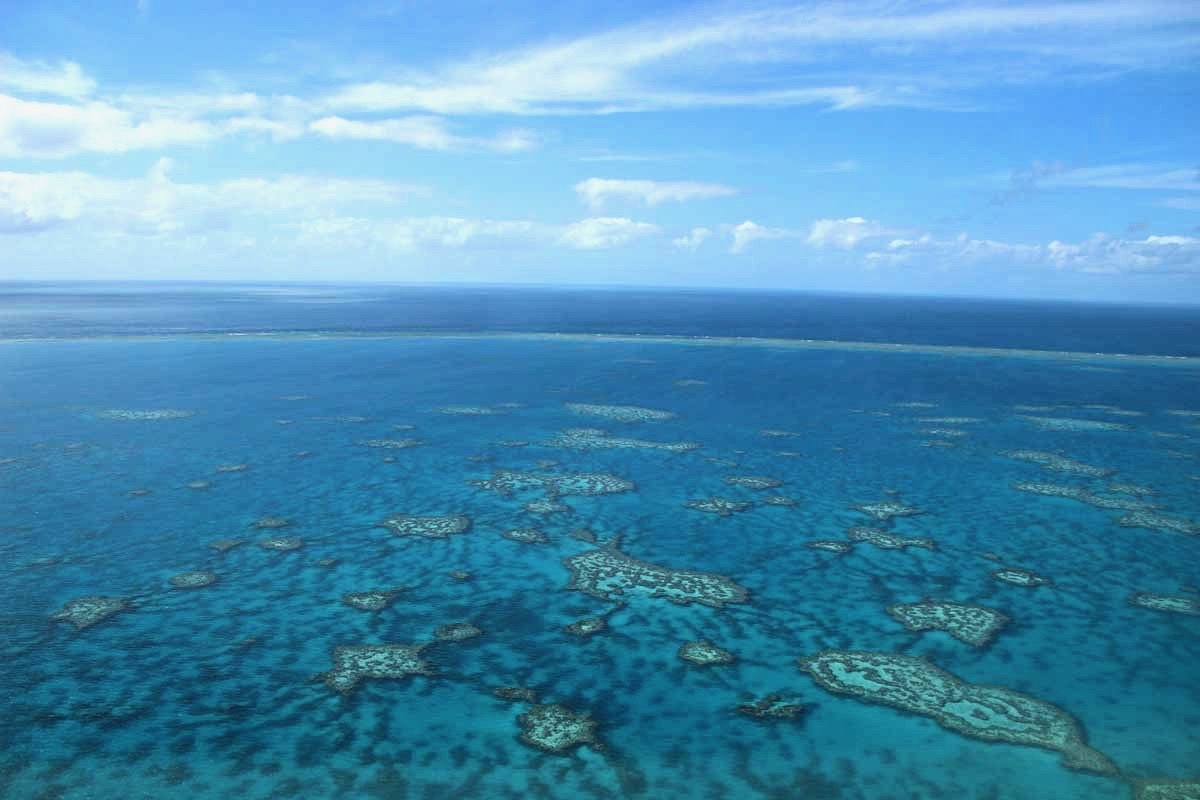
749, 232
597, 192
845, 233
693, 239
602, 233
64, 79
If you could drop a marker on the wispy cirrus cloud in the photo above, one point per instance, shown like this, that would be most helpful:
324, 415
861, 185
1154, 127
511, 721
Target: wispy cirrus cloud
597, 192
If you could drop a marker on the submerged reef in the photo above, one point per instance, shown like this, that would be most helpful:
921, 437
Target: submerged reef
753, 481
193, 580
1057, 463
774, 433
354, 663
469, 411
372, 600
526, 536
621, 413
949, 420
831, 545
84, 612
457, 632
427, 526
556, 729
586, 627
1083, 495
506, 482
583, 535
703, 653
593, 439
990, 713
153, 414
225, 545
546, 506
887, 509
199, 485
1019, 577
270, 523
1159, 522
771, 707
233, 467
1167, 790
1175, 604
390, 444
720, 506
779, 500
1070, 424
606, 572
282, 543
461, 575
975, 625
888, 540
515, 694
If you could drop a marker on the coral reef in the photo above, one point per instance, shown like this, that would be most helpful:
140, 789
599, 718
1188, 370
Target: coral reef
233, 467
975, 625
607, 571
469, 411
1083, 495
457, 632
888, 540
1166, 602
773, 433
225, 545
771, 707
703, 653
948, 420
526, 536
281, 543
1159, 522
193, 580
831, 545
270, 523
583, 535
1069, 424
1019, 577
154, 414
354, 663
546, 506
720, 506
427, 526
198, 485
390, 444
887, 509
507, 482
587, 626
139, 492
593, 439
1057, 463
989, 713
84, 612
620, 413
1135, 489
753, 481
779, 500
1167, 790
952, 433
373, 600
556, 729
461, 575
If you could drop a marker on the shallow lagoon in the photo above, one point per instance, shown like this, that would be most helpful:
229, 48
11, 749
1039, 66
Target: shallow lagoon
209, 691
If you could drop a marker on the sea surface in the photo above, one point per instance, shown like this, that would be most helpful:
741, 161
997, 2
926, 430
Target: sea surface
938, 443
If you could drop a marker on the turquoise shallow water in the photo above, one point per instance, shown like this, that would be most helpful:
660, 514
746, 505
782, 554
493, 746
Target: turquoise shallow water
207, 692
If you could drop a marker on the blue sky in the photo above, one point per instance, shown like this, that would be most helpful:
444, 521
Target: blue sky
988, 148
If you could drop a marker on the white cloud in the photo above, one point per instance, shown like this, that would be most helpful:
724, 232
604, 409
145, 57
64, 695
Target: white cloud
596, 192
1127, 176
1182, 203
845, 233
748, 232
1099, 254
416, 233
425, 132
602, 233
649, 66
64, 79
693, 239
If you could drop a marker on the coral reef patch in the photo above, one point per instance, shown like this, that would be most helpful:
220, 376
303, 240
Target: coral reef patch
975, 625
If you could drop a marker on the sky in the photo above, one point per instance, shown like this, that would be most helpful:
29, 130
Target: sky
994, 149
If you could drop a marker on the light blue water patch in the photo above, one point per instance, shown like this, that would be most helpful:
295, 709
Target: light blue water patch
211, 692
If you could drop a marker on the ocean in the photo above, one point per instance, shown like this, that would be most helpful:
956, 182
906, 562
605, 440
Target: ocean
431, 542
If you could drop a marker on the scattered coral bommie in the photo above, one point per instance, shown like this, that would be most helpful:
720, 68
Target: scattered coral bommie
233, 468
526, 536
830, 545
888, 540
720, 506
84, 612
620, 413
990, 713
587, 626
607, 571
1019, 577
1057, 463
282, 543
506, 482
1168, 790
354, 663
1175, 604
887, 509
515, 694
142, 416
546, 506
427, 526
556, 729
193, 580
1159, 522
390, 444
753, 481
771, 707
779, 500
225, 545
593, 439
703, 653
270, 523
1069, 424
975, 625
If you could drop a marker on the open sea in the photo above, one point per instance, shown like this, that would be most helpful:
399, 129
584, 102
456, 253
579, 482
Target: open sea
382, 542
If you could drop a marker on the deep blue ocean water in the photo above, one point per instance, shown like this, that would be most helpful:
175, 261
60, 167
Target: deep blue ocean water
208, 692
